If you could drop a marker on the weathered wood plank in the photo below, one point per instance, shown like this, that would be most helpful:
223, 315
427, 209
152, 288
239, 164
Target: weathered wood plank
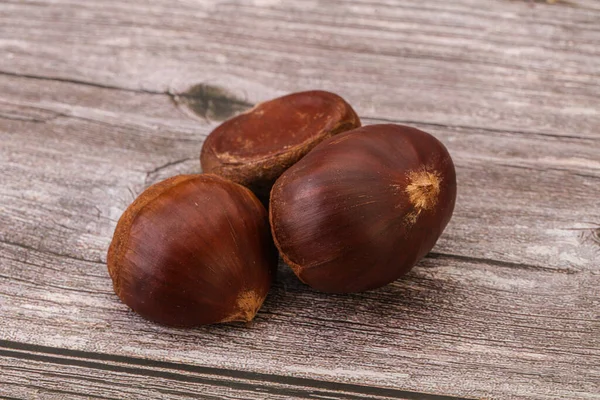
64, 213
506, 66
515, 205
95, 105
45, 372
447, 328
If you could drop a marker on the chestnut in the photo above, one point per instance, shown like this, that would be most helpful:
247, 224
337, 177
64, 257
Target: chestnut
363, 207
193, 250
255, 147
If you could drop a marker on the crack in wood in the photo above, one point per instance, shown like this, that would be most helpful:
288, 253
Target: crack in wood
75, 375
505, 264
351, 325
47, 251
204, 100
479, 129
41, 389
152, 173
80, 82
566, 3
431, 255
46, 284
532, 168
234, 379
21, 118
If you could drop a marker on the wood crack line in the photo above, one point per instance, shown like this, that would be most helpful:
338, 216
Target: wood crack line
46, 284
173, 97
233, 379
163, 166
40, 388
499, 263
53, 253
431, 255
81, 82
23, 118
476, 128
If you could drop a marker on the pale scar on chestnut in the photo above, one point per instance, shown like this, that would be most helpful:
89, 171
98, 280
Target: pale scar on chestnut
423, 192
248, 303
423, 189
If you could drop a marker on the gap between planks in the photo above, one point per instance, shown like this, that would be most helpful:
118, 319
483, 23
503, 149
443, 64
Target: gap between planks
234, 379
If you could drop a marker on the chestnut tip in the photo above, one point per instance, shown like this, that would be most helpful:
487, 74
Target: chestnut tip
248, 303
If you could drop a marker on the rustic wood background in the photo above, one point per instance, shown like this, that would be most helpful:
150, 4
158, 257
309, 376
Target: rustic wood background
101, 98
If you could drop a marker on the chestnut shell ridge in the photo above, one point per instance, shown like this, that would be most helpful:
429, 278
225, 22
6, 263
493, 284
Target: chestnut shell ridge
193, 250
363, 207
255, 147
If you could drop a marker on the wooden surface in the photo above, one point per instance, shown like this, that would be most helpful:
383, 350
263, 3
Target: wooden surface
101, 98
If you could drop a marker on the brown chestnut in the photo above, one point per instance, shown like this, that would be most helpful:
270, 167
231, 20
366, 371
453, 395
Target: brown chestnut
362, 208
255, 147
193, 250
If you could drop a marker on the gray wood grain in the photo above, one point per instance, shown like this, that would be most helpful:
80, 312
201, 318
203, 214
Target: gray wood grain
506, 65
100, 99
38, 372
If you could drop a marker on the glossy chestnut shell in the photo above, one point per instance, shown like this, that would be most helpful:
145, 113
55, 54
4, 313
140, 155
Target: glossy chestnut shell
362, 208
193, 250
255, 147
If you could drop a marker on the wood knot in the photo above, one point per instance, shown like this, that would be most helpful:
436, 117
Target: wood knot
211, 102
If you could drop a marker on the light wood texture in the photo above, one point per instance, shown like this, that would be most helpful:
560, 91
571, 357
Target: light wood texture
99, 99
46, 372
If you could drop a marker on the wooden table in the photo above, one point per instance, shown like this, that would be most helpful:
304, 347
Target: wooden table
101, 98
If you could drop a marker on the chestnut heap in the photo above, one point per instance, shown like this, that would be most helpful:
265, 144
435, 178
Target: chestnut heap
350, 209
